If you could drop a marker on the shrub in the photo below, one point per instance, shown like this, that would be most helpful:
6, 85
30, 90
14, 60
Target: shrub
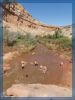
12, 38
15, 38
59, 41
58, 34
26, 39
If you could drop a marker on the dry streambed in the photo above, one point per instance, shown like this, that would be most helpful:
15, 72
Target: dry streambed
42, 67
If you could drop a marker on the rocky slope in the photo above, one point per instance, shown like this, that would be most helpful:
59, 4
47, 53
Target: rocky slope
67, 30
17, 19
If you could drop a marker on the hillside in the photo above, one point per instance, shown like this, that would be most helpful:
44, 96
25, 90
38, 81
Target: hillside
67, 30
24, 23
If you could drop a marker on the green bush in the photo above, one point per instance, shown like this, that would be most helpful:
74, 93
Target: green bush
57, 40
26, 39
10, 38
58, 34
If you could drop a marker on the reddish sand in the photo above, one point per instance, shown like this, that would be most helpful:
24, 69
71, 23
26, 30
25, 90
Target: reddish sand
56, 74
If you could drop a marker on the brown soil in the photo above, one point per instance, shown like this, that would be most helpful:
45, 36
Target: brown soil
55, 74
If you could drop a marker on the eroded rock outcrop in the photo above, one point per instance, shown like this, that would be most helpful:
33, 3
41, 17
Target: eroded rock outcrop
17, 19
38, 90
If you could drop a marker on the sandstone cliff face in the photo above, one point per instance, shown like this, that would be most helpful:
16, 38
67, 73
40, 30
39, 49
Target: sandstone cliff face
17, 19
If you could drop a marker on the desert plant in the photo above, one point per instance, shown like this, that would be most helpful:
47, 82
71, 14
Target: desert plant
10, 38
58, 34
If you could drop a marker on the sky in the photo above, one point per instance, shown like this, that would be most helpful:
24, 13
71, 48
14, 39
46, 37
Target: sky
58, 14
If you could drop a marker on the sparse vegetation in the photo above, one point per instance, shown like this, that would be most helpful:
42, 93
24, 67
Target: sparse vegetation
10, 39
25, 43
58, 43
